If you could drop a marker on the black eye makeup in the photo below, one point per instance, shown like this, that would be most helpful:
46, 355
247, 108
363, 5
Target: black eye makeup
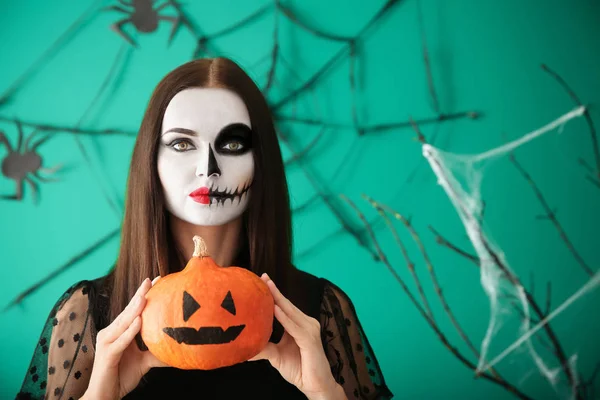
234, 139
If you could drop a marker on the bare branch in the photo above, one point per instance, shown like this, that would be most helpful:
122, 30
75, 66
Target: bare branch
425, 49
586, 114
379, 127
430, 321
53, 274
551, 215
58, 129
446, 243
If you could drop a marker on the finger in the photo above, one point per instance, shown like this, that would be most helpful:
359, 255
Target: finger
124, 320
152, 361
121, 343
287, 306
288, 324
270, 353
155, 280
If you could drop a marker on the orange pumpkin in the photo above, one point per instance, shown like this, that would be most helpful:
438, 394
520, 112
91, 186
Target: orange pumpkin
207, 316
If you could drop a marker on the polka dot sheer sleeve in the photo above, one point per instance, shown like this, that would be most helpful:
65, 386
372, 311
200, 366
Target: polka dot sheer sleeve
350, 355
62, 361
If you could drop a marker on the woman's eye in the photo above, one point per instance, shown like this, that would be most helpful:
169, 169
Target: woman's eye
181, 146
233, 146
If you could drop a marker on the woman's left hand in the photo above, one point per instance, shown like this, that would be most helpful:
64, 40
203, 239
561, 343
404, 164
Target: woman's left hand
299, 356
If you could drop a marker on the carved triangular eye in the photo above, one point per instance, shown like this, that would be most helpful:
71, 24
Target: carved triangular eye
228, 303
190, 306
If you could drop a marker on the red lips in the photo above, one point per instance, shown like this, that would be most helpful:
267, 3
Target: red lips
200, 195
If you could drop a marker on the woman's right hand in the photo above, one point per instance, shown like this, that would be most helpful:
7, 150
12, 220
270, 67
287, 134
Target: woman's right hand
118, 363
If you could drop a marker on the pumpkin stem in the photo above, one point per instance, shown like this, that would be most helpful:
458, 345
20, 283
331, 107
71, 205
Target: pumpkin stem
200, 249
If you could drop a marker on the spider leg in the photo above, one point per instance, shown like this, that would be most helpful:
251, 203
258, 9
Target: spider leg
165, 4
117, 27
20, 130
43, 178
51, 170
18, 196
125, 3
29, 138
39, 142
5, 142
117, 8
34, 188
175, 21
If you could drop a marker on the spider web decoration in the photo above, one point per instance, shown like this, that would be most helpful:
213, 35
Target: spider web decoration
501, 284
285, 88
516, 317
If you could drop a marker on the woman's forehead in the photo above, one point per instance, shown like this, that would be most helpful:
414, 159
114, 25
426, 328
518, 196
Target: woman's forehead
205, 111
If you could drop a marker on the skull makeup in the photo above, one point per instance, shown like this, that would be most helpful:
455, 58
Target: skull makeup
205, 160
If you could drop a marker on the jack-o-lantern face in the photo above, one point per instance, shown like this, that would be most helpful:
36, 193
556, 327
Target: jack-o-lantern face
207, 316
204, 334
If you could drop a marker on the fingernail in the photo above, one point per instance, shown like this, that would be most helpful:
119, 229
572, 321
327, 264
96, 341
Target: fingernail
155, 279
267, 275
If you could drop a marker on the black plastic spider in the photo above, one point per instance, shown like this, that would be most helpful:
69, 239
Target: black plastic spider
22, 162
143, 16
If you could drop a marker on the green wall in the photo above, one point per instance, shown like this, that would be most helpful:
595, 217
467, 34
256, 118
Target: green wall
485, 57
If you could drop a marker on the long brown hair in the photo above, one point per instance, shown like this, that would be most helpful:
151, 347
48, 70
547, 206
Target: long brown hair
147, 248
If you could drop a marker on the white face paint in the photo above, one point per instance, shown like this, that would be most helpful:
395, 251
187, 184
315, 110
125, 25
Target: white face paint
205, 159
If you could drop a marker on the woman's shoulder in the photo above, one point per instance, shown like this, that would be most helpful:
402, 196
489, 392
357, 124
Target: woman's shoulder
310, 292
318, 287
80, 298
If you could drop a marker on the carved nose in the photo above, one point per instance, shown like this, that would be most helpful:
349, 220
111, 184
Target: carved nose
212, 166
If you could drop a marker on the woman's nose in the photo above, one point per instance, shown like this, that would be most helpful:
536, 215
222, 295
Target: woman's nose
208, 166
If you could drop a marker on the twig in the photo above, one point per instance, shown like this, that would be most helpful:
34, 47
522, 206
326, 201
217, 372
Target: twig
559, 352
588, 386
548, 297
587, 166
57, 129
515, 305
431, 270
203, 39
306, 204
586, 114
112, 72
431, 322
432, 92
336, 57
551, 215
274, 53
306, 149
352, 76
295, 20
410, 265
244, 21
66, 36
53, 274
327, 200
513, 279
444, 242
379, 127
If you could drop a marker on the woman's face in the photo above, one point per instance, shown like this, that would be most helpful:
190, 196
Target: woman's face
205, 159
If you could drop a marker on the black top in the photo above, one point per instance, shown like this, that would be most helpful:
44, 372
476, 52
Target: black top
63, 359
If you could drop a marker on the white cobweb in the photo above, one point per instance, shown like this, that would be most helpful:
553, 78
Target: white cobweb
498, 279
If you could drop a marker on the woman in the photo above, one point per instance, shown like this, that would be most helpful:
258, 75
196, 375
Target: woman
206, 162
